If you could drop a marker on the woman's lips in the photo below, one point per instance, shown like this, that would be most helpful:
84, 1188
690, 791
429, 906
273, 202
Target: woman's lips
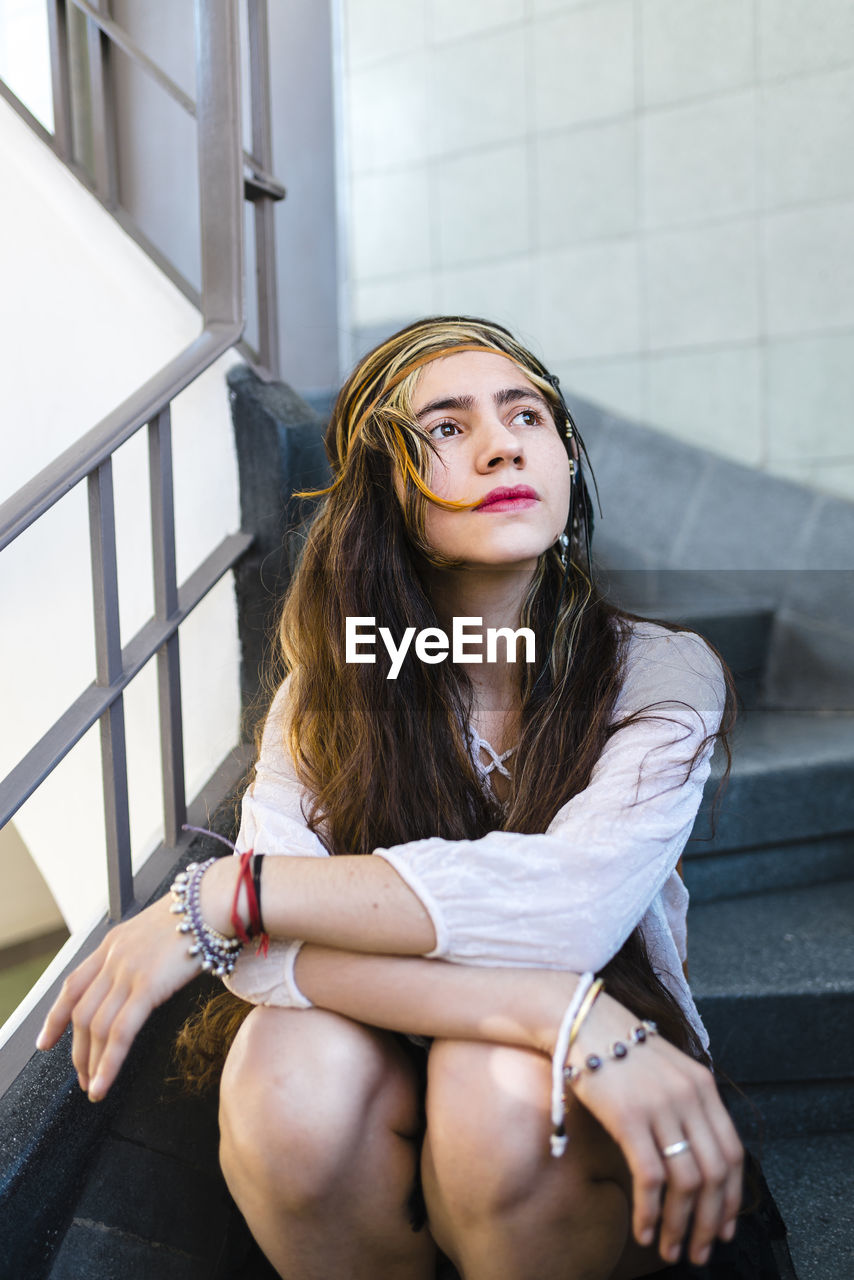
516, 499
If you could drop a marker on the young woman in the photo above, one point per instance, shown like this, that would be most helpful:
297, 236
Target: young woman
525, 812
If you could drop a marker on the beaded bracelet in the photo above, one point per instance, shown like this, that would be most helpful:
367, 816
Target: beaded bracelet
617, 1051
216, 953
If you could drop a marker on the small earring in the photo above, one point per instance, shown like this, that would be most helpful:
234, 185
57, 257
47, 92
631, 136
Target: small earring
564, 545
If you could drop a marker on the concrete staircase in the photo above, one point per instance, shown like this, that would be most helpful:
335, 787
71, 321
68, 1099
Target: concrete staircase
771, 947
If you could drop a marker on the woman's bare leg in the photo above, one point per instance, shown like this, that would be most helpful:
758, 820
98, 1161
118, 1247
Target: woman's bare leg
499, 1204
317, 1115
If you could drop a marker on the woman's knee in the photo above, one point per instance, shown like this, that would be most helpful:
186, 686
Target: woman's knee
300, 1092
488, 1125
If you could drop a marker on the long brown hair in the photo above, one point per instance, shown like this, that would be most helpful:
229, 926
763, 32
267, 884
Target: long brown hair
387, 761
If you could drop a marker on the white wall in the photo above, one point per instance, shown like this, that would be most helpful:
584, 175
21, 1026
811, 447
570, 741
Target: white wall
86, 318
659, 194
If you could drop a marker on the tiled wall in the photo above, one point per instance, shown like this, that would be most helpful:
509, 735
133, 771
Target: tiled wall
658, 194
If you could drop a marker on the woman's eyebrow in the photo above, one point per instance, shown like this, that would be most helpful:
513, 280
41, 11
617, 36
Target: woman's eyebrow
466, 403
507, 395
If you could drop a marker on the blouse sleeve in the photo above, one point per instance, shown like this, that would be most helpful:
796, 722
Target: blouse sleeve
569, 898
273, 822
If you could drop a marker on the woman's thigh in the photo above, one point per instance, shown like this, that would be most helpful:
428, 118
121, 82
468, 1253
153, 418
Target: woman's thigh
487, 1156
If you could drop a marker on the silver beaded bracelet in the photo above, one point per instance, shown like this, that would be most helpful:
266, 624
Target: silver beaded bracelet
216, 953
616, 1052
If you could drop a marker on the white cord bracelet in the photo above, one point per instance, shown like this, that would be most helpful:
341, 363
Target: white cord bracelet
558, 1139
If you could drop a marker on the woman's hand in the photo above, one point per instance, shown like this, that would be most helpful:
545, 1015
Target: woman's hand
107, 998
648, 1101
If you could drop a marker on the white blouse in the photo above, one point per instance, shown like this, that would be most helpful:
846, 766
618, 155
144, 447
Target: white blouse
564, 899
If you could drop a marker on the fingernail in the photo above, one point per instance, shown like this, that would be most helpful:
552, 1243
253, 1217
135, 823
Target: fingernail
702, 1257
646, 1236
728, 1231
672, 1252
96, 1092
41, 1039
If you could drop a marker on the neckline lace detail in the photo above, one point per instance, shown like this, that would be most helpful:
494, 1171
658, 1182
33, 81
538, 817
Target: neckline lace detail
495, 762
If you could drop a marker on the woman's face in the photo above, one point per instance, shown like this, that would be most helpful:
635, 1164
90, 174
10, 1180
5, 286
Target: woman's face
495, 435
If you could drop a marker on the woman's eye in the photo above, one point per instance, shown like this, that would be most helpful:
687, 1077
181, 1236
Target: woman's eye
443, 430
530, 417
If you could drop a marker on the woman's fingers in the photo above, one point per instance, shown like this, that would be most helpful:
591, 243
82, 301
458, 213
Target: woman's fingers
123, 1030
704, 1177
647, 1169
683, 1184
82, 1016
107, 998
718, 1154
693, 1192
732, 1151
59, 1014
101, 1024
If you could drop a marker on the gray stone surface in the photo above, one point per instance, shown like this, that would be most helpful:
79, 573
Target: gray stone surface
186, 1214
644, 479
830, 537
672, 507
740, 519
809, 663
157, 1113
786, 1110
773, 975
785, 1038
791, 779
711, 877
791, 942
279, 451
682, 507
813, 1182
93, 1252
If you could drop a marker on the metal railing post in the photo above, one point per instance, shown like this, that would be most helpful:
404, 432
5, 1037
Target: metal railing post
103, 111
220, 159
165, 607
57, 18
262, 148
108, 665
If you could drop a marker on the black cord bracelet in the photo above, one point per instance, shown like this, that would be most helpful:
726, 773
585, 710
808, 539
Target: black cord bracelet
257, 859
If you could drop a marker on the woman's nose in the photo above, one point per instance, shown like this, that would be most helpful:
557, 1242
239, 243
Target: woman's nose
499, 443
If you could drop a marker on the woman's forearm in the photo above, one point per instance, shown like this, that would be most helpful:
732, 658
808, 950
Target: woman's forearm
521, 1007
353, 903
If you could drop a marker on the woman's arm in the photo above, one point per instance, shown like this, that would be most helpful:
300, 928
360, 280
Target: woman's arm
646, 1102
652, 1098
565, 899
569, 898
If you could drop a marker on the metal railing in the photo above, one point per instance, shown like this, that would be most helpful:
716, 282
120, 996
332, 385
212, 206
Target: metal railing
99, 171
221, 183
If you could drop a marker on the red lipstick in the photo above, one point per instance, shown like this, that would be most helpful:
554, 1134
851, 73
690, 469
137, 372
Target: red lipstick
515, 499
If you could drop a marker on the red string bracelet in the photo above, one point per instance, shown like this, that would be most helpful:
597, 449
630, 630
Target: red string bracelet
252, 883
244, 878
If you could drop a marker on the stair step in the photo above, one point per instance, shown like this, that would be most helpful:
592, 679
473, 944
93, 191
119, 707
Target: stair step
811, 1178
773, 975
734, 873
738, 625
792, 778
741, 636
791, 1108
